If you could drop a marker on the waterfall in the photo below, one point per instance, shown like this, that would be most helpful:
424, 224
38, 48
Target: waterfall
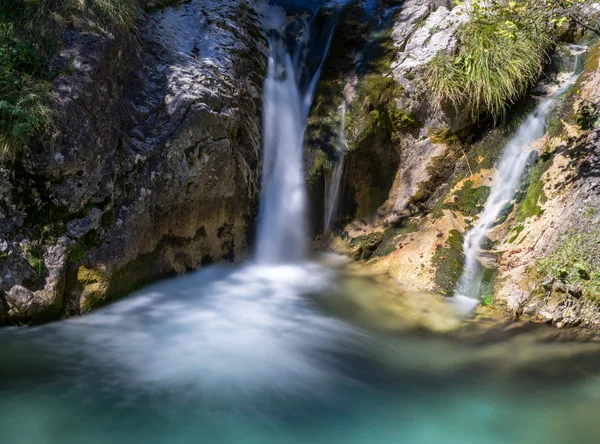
332, 196
510, 170
287, 97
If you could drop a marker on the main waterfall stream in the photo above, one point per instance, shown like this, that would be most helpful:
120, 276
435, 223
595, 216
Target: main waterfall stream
287, 350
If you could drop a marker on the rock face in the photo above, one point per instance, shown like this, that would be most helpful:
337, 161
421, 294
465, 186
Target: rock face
422, 31
151, 166
551, 270
389, 119
542, 255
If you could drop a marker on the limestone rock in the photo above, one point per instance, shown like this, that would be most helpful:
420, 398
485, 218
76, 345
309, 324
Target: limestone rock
420, 34
152, 162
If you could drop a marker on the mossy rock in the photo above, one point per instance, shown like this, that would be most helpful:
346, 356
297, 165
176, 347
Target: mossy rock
468, 200
449, 263
531, 193
394, 234
367, 245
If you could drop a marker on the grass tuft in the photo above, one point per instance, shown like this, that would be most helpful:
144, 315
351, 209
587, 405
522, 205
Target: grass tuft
490, 71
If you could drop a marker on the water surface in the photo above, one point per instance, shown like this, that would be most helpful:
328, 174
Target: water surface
262, 355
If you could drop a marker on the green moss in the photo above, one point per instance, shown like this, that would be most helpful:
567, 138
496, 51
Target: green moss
394, 234
367, 245
320, 166
108, 218
449, 263
576, 261
518, 230
375, 111
468, 200
487, 286
443, 136
534, 193
89, 276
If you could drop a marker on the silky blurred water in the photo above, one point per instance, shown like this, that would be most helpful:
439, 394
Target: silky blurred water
257, 355
291, 354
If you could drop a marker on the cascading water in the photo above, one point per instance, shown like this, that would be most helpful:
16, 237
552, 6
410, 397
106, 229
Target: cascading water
333, 187
288, 94
510, 170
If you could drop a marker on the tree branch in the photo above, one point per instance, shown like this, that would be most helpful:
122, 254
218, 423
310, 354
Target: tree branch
583, 25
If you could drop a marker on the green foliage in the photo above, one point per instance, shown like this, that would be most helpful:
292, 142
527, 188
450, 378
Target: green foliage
35, 257
576, 261
78, 251
31, 31
468, 200
494, 66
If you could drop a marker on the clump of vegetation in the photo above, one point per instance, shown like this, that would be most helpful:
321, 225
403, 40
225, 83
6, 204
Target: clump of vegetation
495, 65
31, 31
468, 200
502, 52
449, 263
35, 257
576, 261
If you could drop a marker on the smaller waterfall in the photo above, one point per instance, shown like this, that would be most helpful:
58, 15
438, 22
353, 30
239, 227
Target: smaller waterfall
332, 197
510, 170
